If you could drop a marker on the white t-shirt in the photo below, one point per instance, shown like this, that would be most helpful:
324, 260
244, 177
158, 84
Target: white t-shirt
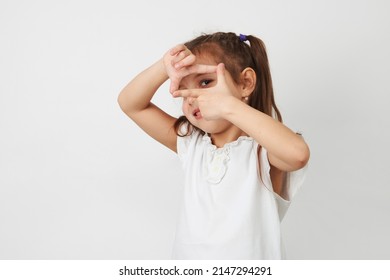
228, 210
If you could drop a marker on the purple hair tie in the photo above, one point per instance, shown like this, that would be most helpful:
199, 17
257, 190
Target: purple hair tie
243, 38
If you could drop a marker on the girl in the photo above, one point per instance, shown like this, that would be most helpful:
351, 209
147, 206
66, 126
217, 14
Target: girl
240, 161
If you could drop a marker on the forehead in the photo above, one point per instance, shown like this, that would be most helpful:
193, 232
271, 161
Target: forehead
205, 58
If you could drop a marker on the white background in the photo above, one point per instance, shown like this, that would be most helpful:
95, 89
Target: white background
78, 180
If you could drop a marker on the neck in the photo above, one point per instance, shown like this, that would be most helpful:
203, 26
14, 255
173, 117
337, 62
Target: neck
230, 135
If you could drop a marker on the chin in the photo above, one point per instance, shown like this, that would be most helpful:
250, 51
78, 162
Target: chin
211, 127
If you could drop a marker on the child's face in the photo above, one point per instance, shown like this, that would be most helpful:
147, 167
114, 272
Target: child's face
190, 106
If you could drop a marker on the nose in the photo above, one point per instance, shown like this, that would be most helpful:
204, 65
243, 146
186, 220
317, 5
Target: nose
190, 100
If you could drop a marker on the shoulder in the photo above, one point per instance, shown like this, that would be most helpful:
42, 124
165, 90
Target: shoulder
187, 143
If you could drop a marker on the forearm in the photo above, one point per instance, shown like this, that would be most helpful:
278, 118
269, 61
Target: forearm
286, 149
137, 94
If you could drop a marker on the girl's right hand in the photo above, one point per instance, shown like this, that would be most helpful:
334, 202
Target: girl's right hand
179, 63
176, 62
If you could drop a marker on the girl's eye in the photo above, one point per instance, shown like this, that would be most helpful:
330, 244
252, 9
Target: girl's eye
204, 83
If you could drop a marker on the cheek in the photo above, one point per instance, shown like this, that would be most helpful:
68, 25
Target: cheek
184, 106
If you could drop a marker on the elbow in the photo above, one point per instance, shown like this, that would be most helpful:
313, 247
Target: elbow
121, 101
124, 104
296, 159
302, 157
129, 106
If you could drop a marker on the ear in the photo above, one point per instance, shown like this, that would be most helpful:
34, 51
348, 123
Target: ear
248, 82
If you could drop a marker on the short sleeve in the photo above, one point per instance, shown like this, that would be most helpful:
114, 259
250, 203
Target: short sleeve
185, 145
182, 147
292, 183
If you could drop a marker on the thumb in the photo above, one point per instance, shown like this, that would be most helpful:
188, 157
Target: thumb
221, 72
174, 86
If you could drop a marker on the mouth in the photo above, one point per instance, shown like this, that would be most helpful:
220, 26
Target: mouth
196, 113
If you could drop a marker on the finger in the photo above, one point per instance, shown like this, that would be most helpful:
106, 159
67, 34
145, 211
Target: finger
198, 69
174, 85
221, 72
188, 93
176, 49
180, 55
185, 61
202, 69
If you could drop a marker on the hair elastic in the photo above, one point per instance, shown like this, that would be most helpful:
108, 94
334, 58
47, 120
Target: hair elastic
243, 38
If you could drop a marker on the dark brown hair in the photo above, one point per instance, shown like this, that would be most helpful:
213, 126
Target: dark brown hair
237, 55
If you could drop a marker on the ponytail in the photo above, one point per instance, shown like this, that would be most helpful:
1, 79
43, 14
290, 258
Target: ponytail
263, 97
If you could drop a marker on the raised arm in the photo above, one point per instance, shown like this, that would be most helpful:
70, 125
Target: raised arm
135, 102
135, 98
287, 151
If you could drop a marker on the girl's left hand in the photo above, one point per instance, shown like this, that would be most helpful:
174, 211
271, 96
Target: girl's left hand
212, 102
